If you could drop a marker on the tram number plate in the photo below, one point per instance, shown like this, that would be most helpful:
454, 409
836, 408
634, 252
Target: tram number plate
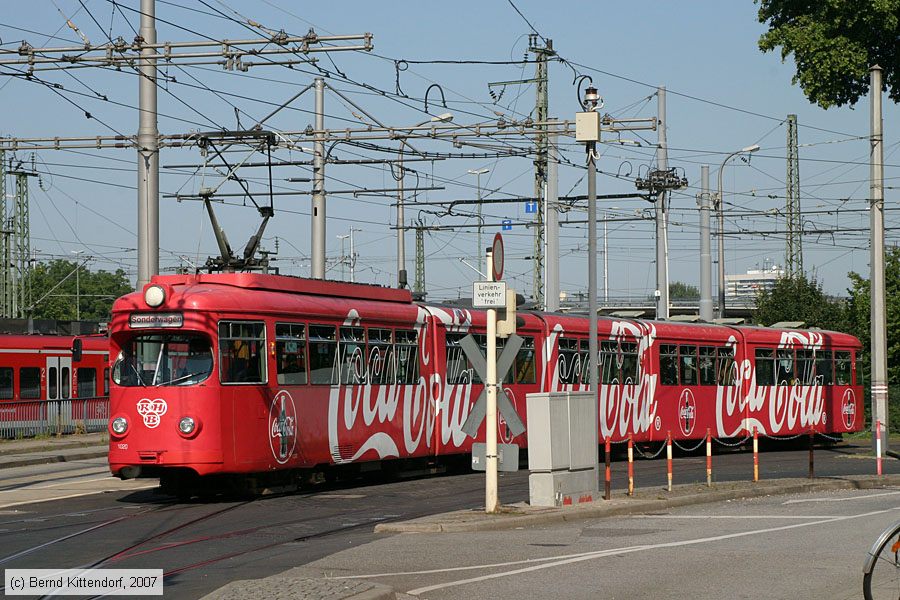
507, 457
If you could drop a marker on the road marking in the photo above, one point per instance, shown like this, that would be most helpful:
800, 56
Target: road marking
567, 559
704, 517
91, 493
841, 499
48, 487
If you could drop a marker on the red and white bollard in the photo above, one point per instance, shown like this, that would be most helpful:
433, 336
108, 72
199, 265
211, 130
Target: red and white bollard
669, 458
878, 446
630, 466
755, 456
608, 489
708, 458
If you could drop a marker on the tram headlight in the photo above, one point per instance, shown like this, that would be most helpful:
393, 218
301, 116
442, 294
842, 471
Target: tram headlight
186, 425
154, 295
119, 425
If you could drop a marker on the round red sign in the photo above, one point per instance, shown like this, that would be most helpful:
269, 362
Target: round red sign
497, 257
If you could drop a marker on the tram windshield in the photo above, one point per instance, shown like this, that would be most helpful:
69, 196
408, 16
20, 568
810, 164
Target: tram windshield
163, 360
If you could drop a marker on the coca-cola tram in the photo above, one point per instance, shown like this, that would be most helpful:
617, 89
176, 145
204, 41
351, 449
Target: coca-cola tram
246, 373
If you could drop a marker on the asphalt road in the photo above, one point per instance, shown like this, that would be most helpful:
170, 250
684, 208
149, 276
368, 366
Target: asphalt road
202, 546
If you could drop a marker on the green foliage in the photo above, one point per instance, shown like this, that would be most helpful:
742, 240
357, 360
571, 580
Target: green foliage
799, 299
94, 290
858, 316
834, 42
682, 291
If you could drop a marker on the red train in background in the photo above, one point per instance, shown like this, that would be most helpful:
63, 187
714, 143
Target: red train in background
52, 383
223, 374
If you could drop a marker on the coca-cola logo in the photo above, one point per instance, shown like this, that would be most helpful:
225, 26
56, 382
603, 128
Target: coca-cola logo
848, 408
282, 426
687, 412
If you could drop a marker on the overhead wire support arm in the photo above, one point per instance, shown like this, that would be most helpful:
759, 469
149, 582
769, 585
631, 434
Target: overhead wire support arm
120, 53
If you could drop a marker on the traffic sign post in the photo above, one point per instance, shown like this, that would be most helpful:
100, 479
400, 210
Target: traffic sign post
491, 495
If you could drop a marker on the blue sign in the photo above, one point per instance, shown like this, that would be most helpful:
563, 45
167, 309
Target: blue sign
531, 206
507, 224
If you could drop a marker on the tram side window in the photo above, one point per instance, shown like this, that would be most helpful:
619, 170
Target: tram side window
106, 380
609, 362
6, 383
352, 355
242, 350
407, 352
843, 374
784, 367
765, 366
524, 364
805, 363
382, 359
87, 382
824, 367
29, 383
322, 352
568, 361
458, 368
52, 383
688, 364
707, 365
725, 365
290, 353
630, 366
65, 383
668, 364
584, 362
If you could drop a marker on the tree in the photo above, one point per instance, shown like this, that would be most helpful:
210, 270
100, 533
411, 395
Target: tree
799, 299
834, 43
859, 321
59, 287
679, 290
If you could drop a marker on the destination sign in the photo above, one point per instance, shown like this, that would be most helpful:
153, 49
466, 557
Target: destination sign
155, 320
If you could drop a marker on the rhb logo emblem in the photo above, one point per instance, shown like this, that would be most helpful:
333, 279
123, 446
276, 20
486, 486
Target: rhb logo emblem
152, 411
687, 412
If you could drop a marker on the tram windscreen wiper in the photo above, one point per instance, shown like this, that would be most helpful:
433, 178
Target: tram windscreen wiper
137, 374
177, 379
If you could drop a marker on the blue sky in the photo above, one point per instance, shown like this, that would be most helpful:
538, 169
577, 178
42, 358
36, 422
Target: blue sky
723, 94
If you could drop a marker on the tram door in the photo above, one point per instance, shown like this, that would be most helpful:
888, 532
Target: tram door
59, 393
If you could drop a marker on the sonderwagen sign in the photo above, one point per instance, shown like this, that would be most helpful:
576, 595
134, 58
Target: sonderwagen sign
152, 320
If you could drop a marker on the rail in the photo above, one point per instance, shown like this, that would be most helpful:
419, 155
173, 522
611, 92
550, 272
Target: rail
30, 418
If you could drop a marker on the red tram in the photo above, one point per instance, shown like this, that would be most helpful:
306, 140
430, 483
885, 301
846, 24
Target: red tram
248, 373
36, 370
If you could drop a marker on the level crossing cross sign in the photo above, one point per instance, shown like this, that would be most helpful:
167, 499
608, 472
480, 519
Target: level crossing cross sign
504, 363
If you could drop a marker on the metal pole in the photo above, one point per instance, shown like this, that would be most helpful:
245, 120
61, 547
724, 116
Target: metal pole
720, 244
148, 151
317, 239
352, 257
401, 228
343, 256
491, 498
879, 326
605, 260
551, 228
662, 258
706, 303
592, 267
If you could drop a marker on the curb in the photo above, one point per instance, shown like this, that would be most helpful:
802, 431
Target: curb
53, 458
520, 515
53, 446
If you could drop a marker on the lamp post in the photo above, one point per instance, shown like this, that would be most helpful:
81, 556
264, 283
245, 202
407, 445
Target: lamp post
479, 249
721, 216
77, 284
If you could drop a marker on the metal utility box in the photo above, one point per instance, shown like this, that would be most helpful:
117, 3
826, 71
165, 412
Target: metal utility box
562, 447
587, 126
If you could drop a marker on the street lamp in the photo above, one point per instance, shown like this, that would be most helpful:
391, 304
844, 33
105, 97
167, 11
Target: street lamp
77, 285
479, 255
721, 215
